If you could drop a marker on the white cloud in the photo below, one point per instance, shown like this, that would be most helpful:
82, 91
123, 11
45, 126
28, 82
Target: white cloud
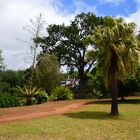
80, 6
116, 2
134, 17
14, 16
138, 1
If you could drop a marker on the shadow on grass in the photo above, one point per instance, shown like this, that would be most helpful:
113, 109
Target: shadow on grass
130, 101
91, 115
107, 101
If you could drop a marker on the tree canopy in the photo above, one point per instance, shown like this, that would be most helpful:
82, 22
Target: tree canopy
118, 52
68, 43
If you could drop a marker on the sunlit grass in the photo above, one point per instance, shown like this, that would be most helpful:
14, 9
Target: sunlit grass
93, 122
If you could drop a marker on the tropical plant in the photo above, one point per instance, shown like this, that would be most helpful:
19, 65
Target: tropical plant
118, 53
28, 93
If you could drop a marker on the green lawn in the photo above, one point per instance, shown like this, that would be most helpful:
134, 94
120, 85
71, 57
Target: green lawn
92, 122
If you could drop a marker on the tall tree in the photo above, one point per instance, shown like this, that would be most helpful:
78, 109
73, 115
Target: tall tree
118, 53
67, 42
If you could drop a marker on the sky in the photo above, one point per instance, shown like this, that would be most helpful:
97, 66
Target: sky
15, 14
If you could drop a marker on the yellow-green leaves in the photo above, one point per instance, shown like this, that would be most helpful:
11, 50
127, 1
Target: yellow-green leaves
27, 91
116, 39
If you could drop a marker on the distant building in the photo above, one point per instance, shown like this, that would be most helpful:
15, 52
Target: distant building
70, 82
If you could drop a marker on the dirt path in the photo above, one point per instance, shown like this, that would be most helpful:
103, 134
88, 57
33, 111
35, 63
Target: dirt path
42, 110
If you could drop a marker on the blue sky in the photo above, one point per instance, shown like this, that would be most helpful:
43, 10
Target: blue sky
103, 7
15, 14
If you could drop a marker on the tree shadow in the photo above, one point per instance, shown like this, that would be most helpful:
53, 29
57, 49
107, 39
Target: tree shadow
107, 101
91, 115
130, 101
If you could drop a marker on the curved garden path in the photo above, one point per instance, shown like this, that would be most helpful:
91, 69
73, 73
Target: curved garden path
42, 110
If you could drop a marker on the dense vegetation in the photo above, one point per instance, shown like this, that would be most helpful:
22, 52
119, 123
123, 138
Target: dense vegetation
102, 52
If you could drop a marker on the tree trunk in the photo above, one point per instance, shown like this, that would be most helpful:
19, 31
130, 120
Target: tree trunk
82, 80
81, 85
114, 104
122, 97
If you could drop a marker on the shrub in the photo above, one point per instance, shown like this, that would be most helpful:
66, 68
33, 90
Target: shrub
9, 101
61, 93
34, 101
24, 101
29, 93
42, 97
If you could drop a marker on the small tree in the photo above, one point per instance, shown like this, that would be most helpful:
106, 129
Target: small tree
48, 72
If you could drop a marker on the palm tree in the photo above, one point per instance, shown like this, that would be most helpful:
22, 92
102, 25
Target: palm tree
117, 53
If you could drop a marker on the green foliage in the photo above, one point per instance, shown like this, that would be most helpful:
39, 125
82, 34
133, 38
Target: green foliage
118, 51
33, 101
68, 43
9, 79
132, 86
118, 47
8, 101
48, 72
4, 87
42, 97
94, 87
29, 93
61, 93
24, 101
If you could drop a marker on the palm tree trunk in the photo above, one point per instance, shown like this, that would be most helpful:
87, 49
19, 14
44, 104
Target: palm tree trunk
114, 104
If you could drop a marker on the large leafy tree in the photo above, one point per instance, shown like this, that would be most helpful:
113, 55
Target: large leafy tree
118, 53
67, 42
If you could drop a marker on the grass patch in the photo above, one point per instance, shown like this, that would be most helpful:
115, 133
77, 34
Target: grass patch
92, 122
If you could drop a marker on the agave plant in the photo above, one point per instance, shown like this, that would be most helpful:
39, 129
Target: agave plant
28, 93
